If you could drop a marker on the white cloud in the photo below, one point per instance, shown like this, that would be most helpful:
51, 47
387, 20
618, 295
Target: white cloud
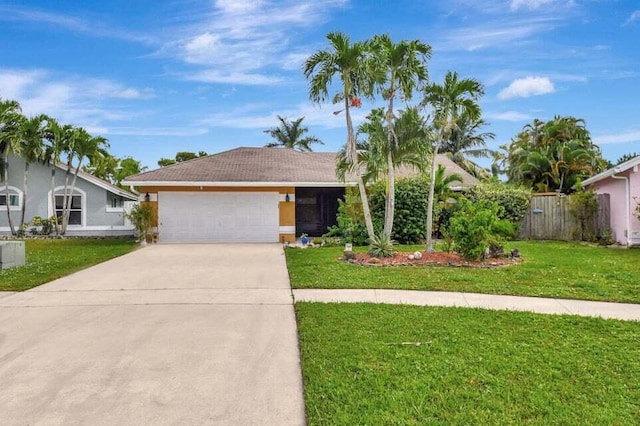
508, 116
71, 99
627, 137
530, 4
155, 131
240, 42
526, 87
635, 16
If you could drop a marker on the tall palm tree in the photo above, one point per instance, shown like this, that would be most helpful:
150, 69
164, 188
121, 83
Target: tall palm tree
290, 134
349, 62
83, 146
32, 133
468, 141
449, 102
59, 138
442, 183
10, 119
402, 69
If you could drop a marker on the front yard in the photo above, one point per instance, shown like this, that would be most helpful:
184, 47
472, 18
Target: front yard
548, 269
383, 364
48, 260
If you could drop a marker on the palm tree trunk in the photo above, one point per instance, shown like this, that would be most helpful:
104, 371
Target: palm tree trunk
70, 199
352, 154
65, 197
25, 187
6, 192
390, 199
53, 196
432, 183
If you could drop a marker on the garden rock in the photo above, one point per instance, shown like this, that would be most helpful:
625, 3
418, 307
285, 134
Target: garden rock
411, 257
417, 255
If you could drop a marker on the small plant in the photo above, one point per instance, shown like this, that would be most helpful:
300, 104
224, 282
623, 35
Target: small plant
477, 227
317, 241
583, 206
141, 216
40, 226
381, 246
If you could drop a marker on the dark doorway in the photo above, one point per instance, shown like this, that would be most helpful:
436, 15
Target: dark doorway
316, 209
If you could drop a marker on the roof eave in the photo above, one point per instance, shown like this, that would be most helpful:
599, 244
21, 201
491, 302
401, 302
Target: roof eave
236, 184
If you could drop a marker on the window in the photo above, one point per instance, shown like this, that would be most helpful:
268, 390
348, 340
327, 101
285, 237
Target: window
14, 200
75, 212
116, 203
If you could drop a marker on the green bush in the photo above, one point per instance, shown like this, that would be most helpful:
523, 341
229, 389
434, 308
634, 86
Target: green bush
141, 216
409, 222
477, 226
382, 246
514, 200
583, 206
350, 227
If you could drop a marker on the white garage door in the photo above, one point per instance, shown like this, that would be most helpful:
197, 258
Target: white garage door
218, 217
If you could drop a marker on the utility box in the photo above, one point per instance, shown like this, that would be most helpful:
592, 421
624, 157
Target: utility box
12, 254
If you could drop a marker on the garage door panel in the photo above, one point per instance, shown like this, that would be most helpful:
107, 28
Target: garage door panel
218, 216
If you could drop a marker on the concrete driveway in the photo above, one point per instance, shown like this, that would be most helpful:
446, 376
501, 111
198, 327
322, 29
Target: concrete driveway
170, 334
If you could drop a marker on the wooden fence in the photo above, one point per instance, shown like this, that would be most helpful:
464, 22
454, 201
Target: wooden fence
548, 218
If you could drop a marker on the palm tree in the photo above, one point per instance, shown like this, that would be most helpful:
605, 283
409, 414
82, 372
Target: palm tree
290, 134
442, 181
449, 102
350, 62
402, 68
58, 137
467, 141
32, 132
83, 146
10, 119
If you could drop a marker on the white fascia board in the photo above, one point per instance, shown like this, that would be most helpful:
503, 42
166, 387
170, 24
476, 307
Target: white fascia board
99, 182
241, 184
613, 171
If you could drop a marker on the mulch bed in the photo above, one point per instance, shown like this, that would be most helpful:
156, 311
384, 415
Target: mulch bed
437, 258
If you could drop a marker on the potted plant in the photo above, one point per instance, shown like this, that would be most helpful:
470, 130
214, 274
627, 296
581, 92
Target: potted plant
140, 215
304, 239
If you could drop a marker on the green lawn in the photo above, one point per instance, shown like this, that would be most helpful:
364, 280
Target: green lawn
51, 259
549, 269
471, 367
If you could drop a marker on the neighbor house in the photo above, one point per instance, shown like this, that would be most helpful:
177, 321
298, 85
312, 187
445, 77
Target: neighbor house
249, 195
97, 207
622, 183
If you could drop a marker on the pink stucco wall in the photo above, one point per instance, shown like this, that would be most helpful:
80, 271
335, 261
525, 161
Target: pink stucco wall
616, 189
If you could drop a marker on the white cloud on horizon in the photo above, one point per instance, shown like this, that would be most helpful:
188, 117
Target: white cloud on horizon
155, 131
530, 4
526, 87
508, 116
618, 138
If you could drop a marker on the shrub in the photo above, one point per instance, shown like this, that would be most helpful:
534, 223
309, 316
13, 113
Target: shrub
381, 246
140, 216
477, 226
409, 221
350, 220
514, 200
583, 206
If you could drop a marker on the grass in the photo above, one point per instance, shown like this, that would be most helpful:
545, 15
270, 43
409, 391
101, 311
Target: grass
48, 260
548, 269
471, 367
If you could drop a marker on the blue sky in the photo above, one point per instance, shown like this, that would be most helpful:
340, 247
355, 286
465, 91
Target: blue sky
156, 77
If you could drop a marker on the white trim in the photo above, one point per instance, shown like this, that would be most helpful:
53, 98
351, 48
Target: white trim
114, 209
89, 228
17, 192
287, 229
83, 205
631, 164
240, 184
99, 182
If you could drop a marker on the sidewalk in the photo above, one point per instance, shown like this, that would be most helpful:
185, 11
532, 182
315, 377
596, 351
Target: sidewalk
621, 311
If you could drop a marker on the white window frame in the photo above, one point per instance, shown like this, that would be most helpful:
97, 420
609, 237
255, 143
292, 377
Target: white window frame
59, 190
12, 191
111, 209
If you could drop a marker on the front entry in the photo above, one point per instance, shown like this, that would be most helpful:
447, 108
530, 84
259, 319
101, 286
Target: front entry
316, 209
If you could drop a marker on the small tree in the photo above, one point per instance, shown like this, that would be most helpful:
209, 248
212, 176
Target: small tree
583, 205
141, 216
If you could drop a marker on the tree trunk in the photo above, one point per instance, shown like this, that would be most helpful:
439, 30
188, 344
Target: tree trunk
65, 197
25, 191
390, 199
70, 198
53, 198
432, 183
6, 191
352, 154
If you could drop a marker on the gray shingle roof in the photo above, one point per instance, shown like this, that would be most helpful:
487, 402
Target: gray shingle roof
264, 165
